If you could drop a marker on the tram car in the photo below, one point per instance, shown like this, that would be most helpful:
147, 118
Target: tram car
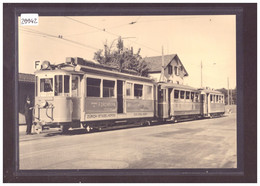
178, 102
213, 103
82, 94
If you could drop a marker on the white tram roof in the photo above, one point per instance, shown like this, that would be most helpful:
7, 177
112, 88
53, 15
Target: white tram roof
210, 91
59, 71
115, 74
178, 86
82, 70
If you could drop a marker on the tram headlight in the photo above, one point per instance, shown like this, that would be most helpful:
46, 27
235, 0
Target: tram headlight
45, 65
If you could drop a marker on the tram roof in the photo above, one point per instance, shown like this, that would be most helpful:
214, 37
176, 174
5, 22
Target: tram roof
82, 69
210, 91
56, 71
175, 85
115, 74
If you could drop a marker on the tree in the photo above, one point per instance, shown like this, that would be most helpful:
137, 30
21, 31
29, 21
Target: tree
234, 95
122, 58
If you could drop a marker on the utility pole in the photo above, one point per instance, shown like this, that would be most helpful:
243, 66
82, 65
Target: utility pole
201, 74
228, 89
231, 96
162, 69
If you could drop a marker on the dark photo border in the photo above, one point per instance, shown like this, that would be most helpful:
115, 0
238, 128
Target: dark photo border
246, 43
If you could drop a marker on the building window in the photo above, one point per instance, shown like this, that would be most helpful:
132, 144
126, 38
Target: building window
93, 87
176, 94
138, 91
176, 69
169, 69
182, 94
108, 88
129, 88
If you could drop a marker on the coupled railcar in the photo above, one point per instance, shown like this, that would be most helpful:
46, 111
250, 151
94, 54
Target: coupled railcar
213, 103
178, 102
80, 94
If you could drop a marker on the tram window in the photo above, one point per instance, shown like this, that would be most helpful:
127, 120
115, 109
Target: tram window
176, 94
211, 98
46, 85
162, 95
93, 87
148, 92
129, 88
138, 91
75, 86
216, 98
58, 85
187, 95
196, 97
192, 96
36, 86
108, 88
66, 84
182, 94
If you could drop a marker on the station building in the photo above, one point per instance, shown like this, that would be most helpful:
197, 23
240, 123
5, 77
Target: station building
173, 69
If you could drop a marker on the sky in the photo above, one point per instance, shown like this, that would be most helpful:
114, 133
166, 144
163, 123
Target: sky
210, 40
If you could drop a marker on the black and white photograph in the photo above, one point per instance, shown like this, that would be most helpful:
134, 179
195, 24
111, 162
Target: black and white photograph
128, 92
158, 75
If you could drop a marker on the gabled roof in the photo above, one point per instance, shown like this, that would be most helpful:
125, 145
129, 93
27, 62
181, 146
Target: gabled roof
26, 78
155, 62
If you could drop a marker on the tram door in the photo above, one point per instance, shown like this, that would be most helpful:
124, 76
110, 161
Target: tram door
170, 102
120, 100
204, 107
163, 109
76, 99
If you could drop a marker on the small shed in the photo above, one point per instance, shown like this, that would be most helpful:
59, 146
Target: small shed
25, 88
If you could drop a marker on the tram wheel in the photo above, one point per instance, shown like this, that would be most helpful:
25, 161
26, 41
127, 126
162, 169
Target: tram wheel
88, 128
64, 129
148, 123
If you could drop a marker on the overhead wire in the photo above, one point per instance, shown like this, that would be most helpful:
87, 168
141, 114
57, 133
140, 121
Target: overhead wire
117, 26
104, 30
170, 19
56, 37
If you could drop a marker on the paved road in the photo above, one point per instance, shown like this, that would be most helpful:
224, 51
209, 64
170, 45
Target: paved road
208, 143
